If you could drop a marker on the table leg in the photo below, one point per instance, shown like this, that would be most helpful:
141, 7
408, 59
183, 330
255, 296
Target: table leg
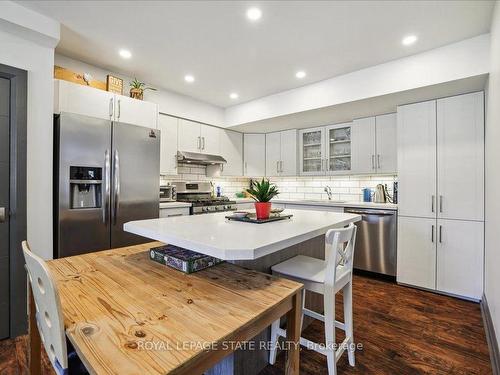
293, 335
34, 359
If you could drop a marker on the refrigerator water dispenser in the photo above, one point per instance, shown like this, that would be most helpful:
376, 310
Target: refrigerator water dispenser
85, 187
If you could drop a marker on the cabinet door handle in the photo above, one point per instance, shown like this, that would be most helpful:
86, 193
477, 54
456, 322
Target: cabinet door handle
373, 161
174, 215
203, 143
246, 167
119, 108
2, 214
111, 108
277, 166
440, 234
281, 166
432, 233
378, 161
199, 143
433, 199
441, 203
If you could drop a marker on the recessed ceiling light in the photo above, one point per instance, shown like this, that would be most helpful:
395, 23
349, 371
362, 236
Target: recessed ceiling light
409, 40
300, 74
125, 53
254, 14
189, 78
234, 95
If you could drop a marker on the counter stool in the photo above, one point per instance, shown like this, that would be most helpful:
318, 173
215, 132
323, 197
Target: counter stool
49, 318
326, 277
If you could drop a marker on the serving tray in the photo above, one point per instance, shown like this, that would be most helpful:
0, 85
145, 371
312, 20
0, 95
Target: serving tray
254, 220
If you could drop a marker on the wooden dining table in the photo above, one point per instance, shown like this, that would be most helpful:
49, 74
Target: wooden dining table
125, 314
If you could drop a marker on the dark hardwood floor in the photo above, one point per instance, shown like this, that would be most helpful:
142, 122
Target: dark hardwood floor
402, 331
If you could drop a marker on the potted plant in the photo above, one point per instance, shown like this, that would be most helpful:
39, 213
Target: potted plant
262, 192
137, 89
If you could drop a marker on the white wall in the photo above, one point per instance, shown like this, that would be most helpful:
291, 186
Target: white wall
170, 102
30, 52
492, 155
460, 60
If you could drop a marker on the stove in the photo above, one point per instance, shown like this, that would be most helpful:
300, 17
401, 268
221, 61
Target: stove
199, 194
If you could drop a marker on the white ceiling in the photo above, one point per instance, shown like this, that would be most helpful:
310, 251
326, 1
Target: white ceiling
225, 52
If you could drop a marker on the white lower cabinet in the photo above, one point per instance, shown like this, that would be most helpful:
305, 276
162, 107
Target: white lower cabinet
416, 263
442, 255
171, 212
460, 257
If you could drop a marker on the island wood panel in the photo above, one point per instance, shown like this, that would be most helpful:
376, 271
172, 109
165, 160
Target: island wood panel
117, 300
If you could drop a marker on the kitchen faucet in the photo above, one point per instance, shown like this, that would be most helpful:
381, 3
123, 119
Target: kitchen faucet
328, 191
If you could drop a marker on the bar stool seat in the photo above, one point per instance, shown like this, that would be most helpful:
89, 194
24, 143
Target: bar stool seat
311, 271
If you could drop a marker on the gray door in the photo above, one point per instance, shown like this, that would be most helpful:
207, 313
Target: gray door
4, 206
84, 142
136, 180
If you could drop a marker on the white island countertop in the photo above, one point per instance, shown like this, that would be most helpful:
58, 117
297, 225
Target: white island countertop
213, 235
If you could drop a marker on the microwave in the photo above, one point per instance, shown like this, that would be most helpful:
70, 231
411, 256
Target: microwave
167, 193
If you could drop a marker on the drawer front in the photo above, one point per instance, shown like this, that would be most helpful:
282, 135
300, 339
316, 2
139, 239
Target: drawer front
170, 212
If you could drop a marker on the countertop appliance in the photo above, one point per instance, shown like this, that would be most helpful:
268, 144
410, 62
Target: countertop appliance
168, 193
380, 195
105, 174
199, 194
376, 238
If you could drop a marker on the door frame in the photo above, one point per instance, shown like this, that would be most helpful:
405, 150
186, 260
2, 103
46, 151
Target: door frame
17, 199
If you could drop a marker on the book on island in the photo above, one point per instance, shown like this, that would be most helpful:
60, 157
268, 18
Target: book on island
181, 259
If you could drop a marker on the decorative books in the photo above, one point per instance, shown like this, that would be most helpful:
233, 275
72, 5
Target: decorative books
181, 259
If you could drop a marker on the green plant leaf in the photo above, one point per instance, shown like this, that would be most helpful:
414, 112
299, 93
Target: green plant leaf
263, 191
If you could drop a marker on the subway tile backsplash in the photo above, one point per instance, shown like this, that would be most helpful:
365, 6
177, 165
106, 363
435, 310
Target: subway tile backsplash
348, 188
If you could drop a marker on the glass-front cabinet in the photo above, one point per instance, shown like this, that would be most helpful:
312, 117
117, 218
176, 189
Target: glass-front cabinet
312, 151
338, 148
325, 150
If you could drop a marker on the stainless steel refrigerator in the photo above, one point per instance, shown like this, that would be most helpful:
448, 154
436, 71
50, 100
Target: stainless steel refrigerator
105, 174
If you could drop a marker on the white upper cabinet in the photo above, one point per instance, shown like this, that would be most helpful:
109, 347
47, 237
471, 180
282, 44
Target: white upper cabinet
83, 100
363, 146
338, 149
231, 149
189, 136
460, 257
460, 157
210, 139
281, 153
288, 153
196, 137
416, 137
168, 144
88, 101
386, 143
254, 155
273, 154
312, 151
374, 144
133, 111
417, 251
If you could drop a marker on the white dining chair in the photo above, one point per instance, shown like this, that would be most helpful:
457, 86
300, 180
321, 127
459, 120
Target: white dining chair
49, 316
326, 277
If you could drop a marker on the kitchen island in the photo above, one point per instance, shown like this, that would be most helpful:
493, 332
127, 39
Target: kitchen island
254, 246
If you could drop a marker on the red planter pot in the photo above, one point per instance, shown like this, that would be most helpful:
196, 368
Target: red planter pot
263, 210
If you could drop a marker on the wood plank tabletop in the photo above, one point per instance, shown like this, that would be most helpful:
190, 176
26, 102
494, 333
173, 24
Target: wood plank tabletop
126, 314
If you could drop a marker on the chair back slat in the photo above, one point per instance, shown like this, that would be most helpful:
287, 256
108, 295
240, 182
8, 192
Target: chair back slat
339, 251
48, 309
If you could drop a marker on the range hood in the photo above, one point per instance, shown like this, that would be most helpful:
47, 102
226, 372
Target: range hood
198, 158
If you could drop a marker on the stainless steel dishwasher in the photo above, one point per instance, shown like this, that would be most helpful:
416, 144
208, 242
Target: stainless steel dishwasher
376, 238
